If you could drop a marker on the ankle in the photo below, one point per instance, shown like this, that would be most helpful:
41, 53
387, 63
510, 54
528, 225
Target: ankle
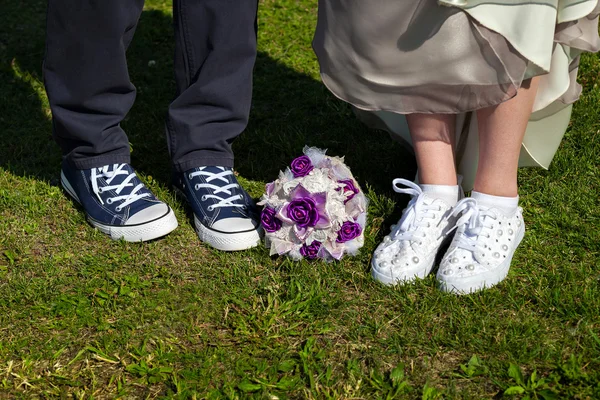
506, 189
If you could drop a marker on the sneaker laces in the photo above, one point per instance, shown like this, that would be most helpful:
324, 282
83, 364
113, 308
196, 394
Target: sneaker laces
473, 218
227, 189
109, 175
415, 213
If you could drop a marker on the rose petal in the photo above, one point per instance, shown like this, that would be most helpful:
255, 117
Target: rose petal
299, 192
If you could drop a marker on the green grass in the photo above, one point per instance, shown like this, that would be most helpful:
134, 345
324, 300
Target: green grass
84, 317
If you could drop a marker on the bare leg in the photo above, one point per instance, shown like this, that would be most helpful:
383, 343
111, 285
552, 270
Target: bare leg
501, 131
433, 137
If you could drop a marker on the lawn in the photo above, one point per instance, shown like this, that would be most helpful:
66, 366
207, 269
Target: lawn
82, 316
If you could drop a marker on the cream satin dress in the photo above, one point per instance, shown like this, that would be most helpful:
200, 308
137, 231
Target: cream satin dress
393, 57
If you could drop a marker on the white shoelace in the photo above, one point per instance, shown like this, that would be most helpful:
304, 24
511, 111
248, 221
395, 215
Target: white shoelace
473, 217
221, 176
415, 214
108, 174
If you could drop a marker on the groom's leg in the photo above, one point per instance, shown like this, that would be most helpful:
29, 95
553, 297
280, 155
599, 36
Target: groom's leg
85, 72
214, 60
88, 86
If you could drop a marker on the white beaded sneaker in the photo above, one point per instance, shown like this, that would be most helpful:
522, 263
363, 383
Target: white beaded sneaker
409, 251
483, 246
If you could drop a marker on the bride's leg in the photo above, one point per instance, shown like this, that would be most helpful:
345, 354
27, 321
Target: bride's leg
433, 137
501, 130
484, 244
409, 251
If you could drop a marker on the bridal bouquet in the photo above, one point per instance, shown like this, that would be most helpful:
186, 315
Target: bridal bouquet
315, 209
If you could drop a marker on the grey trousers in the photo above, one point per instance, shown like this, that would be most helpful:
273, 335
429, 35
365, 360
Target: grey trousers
88, 85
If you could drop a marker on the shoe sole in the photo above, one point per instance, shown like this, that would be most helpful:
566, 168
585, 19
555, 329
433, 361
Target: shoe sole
150, 230
477, 283
228, 241
402, 278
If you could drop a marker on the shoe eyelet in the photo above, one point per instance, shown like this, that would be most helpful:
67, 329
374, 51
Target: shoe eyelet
118, 209
210, 208
189, 176
100, 190
109, 201
203, 198
196, 187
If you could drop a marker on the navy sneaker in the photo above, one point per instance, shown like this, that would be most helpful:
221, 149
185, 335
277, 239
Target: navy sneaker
117, 203
224, 214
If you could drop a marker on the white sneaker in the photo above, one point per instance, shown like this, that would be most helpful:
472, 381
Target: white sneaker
480, 254
410, 250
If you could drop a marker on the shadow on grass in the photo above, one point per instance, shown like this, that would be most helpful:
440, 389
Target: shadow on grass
290, 110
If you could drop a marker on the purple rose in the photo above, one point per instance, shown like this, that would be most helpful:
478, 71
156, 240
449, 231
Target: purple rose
269, 221
349, 231
349, 189
310, 252
303, 212
301, 166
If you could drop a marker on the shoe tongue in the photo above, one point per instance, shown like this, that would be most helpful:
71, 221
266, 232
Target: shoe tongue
114, 177
214, 169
